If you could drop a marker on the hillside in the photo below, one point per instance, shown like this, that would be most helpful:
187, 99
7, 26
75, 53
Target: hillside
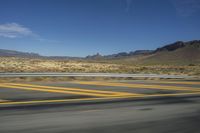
176, 58
179, 53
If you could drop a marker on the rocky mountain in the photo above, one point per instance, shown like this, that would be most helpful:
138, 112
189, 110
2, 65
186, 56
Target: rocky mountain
171, 47
95, 56
179, 53
120, 55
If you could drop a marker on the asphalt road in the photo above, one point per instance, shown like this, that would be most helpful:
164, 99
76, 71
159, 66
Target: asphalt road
97, 107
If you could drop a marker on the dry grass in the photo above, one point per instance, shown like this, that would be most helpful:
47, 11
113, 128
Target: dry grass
12, 64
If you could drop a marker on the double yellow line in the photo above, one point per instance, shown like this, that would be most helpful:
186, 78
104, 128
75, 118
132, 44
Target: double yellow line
98, 94
64, 90
94, 99
140, 86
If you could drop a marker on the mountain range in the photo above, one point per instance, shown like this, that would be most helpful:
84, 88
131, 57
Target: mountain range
12, 53
176, 53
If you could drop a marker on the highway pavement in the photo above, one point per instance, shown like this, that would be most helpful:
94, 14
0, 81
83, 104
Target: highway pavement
136, 106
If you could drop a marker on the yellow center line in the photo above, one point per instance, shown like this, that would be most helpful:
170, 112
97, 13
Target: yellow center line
137, 86
54, 91
73, 89
66, 90
92, 99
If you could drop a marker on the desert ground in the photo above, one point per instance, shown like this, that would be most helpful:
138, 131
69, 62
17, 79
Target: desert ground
15, 64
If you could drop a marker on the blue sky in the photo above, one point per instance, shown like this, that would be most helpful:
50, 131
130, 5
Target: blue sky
84, 27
